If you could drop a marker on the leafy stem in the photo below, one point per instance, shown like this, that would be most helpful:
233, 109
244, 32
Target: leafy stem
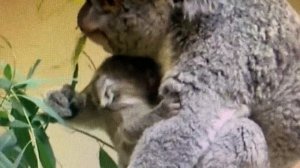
92, 136
32, 135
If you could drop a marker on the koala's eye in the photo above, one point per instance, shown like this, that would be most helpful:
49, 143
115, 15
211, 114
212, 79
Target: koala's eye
96, 4
110, 5
111, 2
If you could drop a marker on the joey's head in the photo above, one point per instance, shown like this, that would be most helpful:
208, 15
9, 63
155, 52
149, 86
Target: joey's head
127, 81
135, 27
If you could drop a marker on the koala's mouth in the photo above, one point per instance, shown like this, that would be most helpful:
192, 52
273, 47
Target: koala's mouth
99, 37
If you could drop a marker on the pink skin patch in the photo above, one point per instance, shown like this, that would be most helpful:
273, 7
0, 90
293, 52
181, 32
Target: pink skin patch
224, 116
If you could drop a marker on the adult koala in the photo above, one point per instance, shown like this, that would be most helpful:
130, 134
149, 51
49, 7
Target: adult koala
225, 54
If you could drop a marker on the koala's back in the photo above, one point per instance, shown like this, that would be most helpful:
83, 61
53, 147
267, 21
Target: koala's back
252, 57
246, 53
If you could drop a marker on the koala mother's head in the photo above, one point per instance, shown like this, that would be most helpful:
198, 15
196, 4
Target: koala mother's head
130, 27
135, 27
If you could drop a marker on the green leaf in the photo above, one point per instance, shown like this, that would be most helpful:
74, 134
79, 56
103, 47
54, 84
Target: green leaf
42, 119
18, 160
44, 107
13, 153
5, 84
8, 72
23, 138
31, 107
33, 68
17, 106
18, 124
4, 161
4, 121
45, 150
105, 160
78, 49
32, 83
75, 76
8, 139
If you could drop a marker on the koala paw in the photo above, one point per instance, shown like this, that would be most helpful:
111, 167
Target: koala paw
169, 107
63, 101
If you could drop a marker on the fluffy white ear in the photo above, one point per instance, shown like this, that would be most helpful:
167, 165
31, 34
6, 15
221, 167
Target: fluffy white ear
105, 91
192, 8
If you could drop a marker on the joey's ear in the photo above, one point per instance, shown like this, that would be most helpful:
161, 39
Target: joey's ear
105, 92
192, 8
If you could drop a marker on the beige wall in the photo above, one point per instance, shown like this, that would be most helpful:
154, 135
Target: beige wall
50, 34
296, 4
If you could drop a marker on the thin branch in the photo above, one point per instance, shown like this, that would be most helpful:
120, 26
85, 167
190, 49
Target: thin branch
91, 136
90, 59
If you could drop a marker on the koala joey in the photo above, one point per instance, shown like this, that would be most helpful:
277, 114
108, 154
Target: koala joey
123, 96
224, 53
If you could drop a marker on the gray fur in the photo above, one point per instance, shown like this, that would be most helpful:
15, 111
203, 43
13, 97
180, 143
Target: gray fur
121, 98
243, 52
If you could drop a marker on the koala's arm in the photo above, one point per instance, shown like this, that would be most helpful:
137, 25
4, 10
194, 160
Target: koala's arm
141, 117
77, 108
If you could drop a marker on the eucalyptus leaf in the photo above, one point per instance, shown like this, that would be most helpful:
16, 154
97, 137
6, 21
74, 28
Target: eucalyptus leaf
44, 107
31, 107
33, 68
4, 161
16, 105
8, 72
23, 137
18, 124
78, 49
18, 160
8, 139
5, 84
74, 78
29, 83
4, 120
105, 160
45, 150
13, 153
43, 119
25, 104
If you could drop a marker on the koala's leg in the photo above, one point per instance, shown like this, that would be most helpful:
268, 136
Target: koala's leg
239, 144
280, 122
166, 144
185, 138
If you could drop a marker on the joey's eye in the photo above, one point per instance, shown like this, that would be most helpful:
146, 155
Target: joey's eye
116, 97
